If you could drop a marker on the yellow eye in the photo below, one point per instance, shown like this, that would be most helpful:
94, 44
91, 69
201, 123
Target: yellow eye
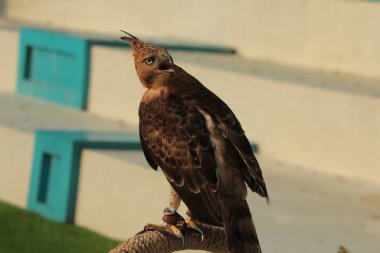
149, 60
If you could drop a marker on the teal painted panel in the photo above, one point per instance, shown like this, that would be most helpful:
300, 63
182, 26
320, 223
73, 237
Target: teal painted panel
54, 203
53, 66
50, 67
56, 167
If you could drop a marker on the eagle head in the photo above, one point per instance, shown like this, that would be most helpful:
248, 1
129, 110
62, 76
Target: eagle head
153, 64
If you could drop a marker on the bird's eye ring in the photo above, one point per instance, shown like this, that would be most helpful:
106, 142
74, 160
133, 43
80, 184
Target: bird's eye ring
149, 60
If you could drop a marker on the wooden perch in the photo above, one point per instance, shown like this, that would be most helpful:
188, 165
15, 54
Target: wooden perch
159, 242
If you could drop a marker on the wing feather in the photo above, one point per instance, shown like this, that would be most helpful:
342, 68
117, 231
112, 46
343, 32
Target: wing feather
231, 128
146, 152
184, 151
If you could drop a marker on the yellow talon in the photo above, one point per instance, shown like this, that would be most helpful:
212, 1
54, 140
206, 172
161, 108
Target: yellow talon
166, 228
176, 231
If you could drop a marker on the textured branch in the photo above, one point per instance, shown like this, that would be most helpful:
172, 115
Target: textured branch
158, 242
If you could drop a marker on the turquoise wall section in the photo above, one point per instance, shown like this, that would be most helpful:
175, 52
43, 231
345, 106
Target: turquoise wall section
53, 66
56, 167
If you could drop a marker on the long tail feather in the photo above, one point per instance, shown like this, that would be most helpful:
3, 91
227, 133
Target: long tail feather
239, 228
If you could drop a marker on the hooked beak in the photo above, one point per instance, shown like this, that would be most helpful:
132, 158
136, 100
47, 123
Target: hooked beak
167, 66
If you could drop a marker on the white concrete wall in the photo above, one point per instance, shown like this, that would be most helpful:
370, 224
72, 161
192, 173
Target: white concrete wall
16, 155
9, 42
115, 90
336, 132
335, 35
118, 193
331, 34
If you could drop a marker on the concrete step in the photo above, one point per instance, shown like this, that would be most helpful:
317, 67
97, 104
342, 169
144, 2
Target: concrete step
20, 117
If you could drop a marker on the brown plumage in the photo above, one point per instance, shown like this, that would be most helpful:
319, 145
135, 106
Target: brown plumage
195, 138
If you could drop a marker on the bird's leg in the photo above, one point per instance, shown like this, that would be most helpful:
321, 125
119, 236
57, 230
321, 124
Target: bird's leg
171, 216
174, 223
175, 200
170, 213
192, 224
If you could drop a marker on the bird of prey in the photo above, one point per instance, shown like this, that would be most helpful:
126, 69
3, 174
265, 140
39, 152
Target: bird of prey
199, 144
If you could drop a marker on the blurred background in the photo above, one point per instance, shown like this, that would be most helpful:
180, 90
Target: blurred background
301, 75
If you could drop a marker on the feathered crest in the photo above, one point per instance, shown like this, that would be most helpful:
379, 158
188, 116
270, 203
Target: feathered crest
130, 39
140, 48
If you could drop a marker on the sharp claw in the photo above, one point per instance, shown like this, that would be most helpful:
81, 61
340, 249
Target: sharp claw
178, 233
202, 235
183, 240
191, 224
